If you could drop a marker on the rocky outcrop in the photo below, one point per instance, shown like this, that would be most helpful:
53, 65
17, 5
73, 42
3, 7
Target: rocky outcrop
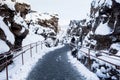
44, 24
13, 28
51, 23
43, 19
102, 35
79, 27
9, 14
105, 14
23, 8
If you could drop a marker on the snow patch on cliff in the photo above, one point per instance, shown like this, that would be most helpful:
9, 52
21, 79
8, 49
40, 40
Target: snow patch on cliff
9, 35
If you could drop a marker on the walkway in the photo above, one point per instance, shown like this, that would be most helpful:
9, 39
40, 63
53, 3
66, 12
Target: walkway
55, 66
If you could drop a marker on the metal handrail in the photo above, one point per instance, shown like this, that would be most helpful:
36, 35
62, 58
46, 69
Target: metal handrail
88, 54
7, 54
105, 53
102, 51
16, 50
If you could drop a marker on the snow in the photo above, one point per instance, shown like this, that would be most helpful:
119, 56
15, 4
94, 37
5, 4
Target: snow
23, 1
23, 30
31, 38
95, 65
109, 2
103, 70
62, 31
17, 71
114, 61
86, 40
118, 1
82, 69
8, 33
116, 46
9, 3
103, 29
25, 69
19, 20
3, 47
100, 74
45, 16
100, 2
34, 16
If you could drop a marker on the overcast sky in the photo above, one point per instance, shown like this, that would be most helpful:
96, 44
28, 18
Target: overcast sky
66, 9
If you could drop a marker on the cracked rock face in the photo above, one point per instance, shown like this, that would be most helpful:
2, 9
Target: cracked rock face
14, 26
13, 14
103, 35
105, 16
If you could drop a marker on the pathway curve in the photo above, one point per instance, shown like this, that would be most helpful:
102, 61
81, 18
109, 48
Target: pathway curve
55, 66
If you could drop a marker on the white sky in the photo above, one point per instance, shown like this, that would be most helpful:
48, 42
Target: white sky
66, 9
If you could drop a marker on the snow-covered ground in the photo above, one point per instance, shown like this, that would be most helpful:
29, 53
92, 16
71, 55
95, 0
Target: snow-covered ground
81, 68
17, 71
23, 71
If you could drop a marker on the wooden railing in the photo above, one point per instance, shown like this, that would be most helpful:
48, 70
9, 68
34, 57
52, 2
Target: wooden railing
17, 52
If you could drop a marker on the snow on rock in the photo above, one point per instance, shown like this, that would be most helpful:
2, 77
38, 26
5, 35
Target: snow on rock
101, 2
34, 16
22, 1
43, 19
19, 20
100, 74
103, 70
104, 37
103, 29
8, 33
31, 38
116, 46
82, 69
118, 1
45, 16
95, 65
9, 3
3, 47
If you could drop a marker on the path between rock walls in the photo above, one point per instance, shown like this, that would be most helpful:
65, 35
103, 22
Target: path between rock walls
55, 66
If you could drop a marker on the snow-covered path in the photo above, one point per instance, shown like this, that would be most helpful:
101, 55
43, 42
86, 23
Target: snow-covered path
55, 66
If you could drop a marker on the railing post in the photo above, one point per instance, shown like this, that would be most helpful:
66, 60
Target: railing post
22, 59
6, 68
36, 47
41, 44
89, 62
30, 50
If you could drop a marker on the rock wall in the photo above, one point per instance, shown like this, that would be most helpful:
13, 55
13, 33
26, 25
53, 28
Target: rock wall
101, 33
12, 15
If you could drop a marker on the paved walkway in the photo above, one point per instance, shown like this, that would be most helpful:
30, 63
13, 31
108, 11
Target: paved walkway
55, 66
